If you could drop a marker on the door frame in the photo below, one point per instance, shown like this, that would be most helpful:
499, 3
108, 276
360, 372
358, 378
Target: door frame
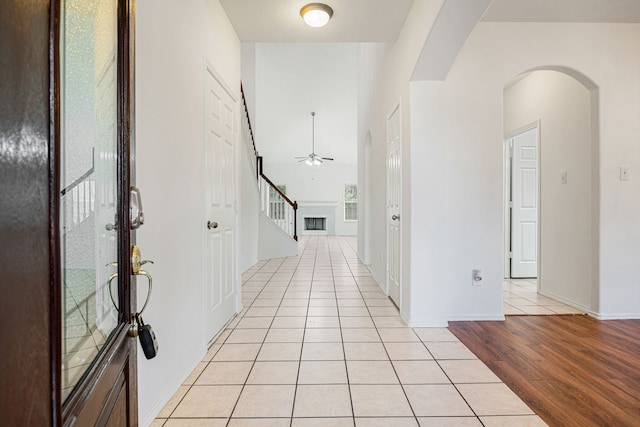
396, 108
507, 196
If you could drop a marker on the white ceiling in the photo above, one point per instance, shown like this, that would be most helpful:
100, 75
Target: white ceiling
353, 20
613, 11
381, 20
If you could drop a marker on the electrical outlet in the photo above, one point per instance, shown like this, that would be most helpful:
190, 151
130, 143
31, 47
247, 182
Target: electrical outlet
476, 277
563, 178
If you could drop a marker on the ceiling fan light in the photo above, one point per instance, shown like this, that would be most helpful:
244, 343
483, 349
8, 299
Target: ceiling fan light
316, 14
309, 162
317, 161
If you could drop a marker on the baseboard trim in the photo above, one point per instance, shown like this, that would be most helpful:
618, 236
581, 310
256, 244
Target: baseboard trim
616, 316
476, 318
428, 324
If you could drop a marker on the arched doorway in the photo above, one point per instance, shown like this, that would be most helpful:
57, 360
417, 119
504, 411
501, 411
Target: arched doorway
556, 173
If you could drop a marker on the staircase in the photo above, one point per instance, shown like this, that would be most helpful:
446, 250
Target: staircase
274, 204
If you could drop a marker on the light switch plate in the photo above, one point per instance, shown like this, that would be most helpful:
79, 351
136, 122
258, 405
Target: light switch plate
563, 178
624, 173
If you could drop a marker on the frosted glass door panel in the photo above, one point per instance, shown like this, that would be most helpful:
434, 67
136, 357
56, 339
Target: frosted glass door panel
88, 177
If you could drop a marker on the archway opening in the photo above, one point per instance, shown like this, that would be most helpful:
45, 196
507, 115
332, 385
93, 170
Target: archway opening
551, 174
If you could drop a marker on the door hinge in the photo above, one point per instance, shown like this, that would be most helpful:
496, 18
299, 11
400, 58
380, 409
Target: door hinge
510, 254
511, 148
511, 204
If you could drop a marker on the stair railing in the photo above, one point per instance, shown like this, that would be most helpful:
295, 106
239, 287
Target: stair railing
273, 202
276, 205
248, 131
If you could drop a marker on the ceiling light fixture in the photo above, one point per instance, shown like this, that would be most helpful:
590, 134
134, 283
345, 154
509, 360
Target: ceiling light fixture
316, 14
313, 159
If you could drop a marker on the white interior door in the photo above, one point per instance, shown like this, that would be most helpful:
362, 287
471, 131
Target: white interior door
393, 204
220, 215
524, 213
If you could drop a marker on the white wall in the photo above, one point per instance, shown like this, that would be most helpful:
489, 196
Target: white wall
294, 79
563, 107
274, 242
370, 60
249, 78
466, 111
391, 89
432, 256
172, 41
248, 205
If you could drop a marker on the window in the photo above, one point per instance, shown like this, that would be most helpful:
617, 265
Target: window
350, 202
276, 203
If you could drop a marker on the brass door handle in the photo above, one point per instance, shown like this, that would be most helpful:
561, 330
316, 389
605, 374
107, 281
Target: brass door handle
212, 224
136, 263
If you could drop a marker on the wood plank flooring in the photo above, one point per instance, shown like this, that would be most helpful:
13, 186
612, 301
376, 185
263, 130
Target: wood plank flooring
571, 370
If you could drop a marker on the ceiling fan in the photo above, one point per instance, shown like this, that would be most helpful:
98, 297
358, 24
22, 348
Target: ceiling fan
313, 159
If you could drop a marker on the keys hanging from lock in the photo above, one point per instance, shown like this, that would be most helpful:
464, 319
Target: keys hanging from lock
147, 338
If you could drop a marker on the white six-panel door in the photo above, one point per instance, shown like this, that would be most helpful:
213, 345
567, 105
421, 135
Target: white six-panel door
524, 213
220, 218
393, 204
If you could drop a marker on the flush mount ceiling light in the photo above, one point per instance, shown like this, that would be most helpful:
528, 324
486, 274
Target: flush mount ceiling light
316, 14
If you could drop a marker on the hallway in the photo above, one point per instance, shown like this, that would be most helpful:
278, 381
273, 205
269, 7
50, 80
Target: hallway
318, 344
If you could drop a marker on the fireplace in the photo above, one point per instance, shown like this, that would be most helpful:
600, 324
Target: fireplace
315, 223
317, 218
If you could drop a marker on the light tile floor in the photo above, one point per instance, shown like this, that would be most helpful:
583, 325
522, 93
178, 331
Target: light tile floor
520, 296
318, 344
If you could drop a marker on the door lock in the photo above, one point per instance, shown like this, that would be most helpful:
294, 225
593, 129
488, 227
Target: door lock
135, 209
212, 224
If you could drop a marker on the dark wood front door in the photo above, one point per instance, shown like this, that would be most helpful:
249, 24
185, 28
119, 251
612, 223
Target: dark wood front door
67, 355
98, 354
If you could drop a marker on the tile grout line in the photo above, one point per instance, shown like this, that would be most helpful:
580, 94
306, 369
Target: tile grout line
304, 332
253, 364
344, 351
